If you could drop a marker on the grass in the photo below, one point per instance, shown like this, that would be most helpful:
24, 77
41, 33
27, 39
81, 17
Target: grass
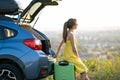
102, 69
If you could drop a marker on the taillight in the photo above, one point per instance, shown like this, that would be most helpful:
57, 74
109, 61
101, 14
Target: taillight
34, 44
43, 71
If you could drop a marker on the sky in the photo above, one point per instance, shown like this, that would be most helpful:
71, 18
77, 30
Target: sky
92, 15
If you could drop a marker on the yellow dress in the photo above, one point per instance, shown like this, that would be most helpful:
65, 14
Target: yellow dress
70, 56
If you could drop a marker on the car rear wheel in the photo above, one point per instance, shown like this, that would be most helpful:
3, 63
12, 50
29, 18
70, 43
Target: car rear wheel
10, 72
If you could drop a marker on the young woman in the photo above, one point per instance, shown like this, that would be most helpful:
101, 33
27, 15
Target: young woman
70, 51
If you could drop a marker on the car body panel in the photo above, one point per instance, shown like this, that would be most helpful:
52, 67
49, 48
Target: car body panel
1, 38
13, 58
1, 43
11, 44
33, 62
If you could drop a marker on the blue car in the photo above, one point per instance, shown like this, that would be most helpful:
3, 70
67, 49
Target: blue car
25, 53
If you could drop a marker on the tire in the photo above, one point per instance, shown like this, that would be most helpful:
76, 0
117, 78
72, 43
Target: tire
10, 72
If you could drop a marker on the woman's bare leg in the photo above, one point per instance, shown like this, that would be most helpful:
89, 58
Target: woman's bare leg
84, 76
77, 76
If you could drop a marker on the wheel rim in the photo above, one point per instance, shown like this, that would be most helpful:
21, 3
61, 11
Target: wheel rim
7, 75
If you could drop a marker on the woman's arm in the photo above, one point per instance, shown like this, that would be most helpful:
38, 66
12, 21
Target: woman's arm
71, 37
59, 48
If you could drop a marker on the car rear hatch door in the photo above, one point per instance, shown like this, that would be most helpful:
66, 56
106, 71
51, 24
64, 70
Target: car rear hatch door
29, 14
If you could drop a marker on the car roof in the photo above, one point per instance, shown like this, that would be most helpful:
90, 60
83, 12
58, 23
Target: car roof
7, 22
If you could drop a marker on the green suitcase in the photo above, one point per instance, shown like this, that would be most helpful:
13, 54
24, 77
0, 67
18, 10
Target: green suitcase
64, 71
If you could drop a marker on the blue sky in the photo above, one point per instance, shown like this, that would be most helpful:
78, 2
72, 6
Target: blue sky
92, 15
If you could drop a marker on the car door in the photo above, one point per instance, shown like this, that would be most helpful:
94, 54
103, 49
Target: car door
1, 36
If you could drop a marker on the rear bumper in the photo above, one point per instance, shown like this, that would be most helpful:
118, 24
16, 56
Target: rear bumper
46, 70
37, 65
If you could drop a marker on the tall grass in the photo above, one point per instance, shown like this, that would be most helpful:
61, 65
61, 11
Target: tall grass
104, 69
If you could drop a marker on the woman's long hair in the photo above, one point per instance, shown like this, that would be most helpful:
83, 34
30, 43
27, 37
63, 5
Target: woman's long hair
68, 25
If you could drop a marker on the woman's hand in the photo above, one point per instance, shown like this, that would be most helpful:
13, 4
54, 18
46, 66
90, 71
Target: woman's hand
56, 55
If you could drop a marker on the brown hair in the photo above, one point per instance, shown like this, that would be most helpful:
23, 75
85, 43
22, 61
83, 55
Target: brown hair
68, 25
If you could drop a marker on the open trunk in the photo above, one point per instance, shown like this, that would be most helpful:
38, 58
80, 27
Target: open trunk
45, 42
28, 16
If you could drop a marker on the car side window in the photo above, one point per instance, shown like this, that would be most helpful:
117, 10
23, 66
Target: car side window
6, 32
9, 33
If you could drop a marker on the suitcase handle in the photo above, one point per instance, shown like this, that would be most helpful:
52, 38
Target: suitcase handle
63, 63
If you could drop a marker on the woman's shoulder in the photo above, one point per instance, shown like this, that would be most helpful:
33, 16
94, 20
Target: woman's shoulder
70, 35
